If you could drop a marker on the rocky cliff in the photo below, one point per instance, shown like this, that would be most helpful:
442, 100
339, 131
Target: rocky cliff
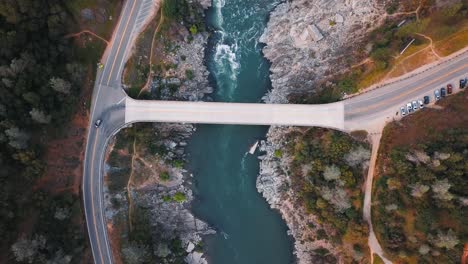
306, 42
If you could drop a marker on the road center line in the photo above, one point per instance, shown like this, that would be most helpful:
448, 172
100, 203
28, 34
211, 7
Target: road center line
407, 92
121, 39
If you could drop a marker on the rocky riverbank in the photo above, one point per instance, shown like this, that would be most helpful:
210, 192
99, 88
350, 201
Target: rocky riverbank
307, 42
274, 184
150, 212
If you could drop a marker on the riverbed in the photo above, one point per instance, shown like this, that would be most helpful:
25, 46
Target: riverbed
224, 174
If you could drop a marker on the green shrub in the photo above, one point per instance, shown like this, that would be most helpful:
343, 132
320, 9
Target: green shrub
133, 92
322, 251
189, 74
179, 197
179, 164
164, 176
193, 29
278, 153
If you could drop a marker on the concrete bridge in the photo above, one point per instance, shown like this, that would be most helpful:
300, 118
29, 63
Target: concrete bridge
327, 115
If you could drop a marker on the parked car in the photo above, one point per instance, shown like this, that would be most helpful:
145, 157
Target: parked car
98, 123
421, 104
415, 105
403, 111
463, 83
449, 88
443, 92
409, 108
427, 100
437, 95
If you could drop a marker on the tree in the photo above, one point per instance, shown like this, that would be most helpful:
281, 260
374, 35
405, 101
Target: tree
39, 116
60, 85
424, 249
62, 213
418, 189
445, 240
27, 250
337, 197
393, 183
332, 173
18, 138
441, 190
357, 156
170, 8
135, 253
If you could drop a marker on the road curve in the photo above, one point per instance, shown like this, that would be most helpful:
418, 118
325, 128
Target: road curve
108, 104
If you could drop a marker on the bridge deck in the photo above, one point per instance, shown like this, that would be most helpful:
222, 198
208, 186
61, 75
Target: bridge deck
329, 115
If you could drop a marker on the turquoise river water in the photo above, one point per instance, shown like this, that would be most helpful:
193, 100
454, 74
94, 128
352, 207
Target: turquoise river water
248, 231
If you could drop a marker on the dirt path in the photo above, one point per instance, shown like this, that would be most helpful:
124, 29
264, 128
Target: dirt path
374, 245
73, 35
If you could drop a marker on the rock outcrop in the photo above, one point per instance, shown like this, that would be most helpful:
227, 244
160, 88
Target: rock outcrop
307, 41
191, 74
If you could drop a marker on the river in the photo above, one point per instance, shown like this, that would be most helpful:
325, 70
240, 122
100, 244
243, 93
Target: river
224, 175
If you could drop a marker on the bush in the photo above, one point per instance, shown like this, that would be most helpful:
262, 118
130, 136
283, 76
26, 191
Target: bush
179, 197
278, 153
164, 176
193, 29
189, 74
322, 251
179, 164
133, 92
348, 85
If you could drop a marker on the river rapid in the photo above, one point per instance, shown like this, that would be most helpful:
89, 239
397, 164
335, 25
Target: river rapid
224, 175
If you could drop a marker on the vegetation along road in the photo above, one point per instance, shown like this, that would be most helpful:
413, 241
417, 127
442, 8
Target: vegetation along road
368, 111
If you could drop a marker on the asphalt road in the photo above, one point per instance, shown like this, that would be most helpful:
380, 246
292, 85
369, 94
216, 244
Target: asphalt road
115, 109
108, 104
380, 105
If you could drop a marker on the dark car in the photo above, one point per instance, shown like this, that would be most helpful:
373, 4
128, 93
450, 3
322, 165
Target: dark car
427, 100
98, 123
443, 92
449, 88
463, 83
